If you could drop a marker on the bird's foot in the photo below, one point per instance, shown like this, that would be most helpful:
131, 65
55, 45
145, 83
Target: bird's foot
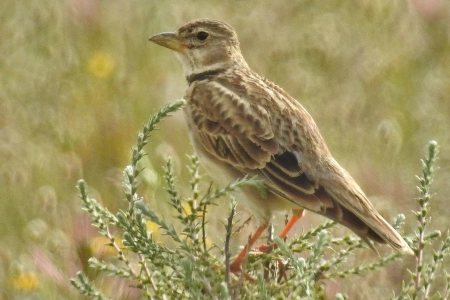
237, 270
265, 248
280, 265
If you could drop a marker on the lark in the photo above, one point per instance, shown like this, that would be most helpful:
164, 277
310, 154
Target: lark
241, 124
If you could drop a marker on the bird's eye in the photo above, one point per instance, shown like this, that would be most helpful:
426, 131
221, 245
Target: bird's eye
202, 35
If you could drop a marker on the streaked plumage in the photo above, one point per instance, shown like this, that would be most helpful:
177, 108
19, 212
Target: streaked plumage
242, 124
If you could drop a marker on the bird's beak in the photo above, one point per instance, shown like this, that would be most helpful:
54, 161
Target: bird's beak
169, 40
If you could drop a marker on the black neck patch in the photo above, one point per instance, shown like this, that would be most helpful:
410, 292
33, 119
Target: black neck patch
204, 75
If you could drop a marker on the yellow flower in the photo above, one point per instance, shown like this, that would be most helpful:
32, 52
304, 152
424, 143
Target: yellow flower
154, 229
186, 208
101, 248
26, 281
101, 65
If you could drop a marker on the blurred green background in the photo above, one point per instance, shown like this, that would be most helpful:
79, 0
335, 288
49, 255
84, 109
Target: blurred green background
78, 78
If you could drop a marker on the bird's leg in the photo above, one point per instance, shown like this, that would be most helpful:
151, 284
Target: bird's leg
297, 214
236, 265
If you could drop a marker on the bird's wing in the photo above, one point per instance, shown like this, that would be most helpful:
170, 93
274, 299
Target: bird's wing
232, 128
245, 134
262, 130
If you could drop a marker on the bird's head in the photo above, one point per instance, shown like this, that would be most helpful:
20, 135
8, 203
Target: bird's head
203, 45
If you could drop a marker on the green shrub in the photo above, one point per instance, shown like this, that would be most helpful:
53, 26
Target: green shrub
186, 267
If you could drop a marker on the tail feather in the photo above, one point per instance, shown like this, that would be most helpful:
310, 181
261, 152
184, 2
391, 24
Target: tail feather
366, 222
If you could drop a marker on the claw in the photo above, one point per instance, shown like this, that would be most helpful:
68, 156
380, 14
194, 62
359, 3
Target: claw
236, 269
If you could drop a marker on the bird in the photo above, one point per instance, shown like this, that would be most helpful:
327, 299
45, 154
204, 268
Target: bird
241, 124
